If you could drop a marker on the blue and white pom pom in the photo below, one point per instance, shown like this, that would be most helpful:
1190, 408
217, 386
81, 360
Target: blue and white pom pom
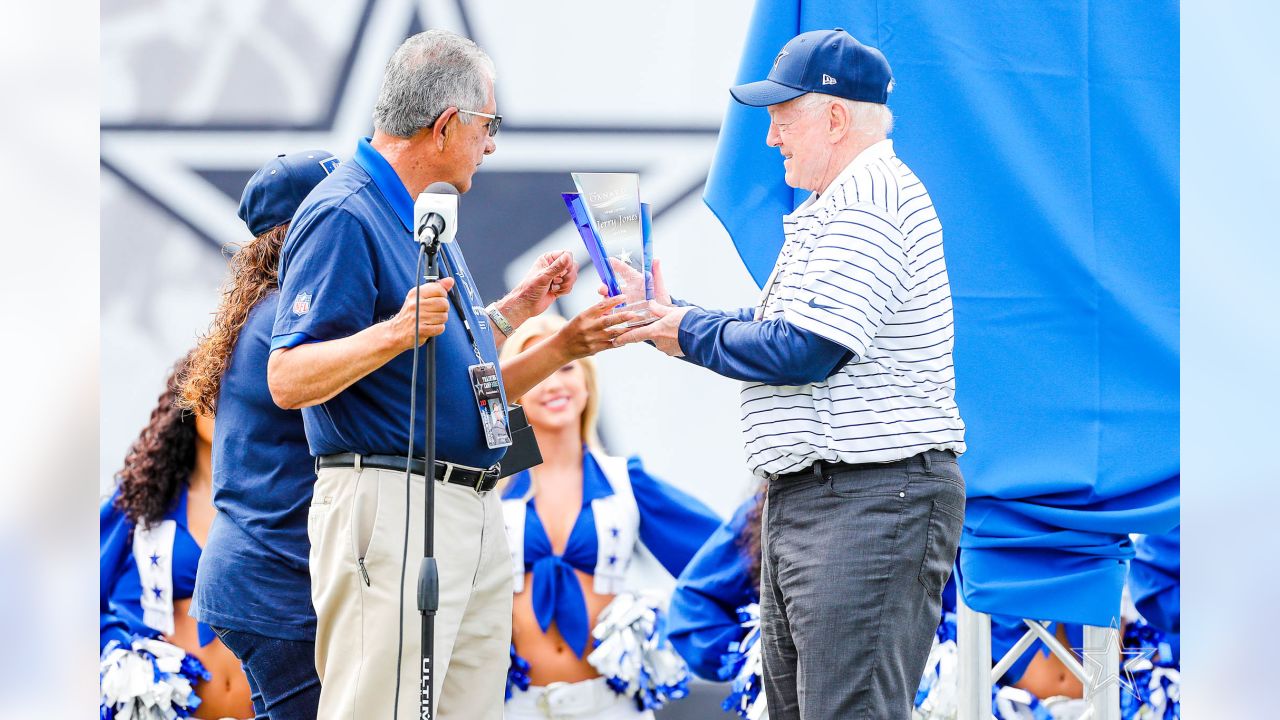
1011, 703
517, 673
1157, 682
634, 655
150, 680
743, 664
937, 694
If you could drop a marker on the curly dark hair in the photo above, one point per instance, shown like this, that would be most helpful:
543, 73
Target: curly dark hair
749, 538
161, 459
254, 269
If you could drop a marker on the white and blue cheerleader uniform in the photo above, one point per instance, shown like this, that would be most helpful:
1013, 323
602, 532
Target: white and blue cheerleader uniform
625, 512
714, 616
142, 571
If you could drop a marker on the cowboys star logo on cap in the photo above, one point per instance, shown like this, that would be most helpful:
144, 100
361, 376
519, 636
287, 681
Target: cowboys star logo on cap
778, 59
302, 303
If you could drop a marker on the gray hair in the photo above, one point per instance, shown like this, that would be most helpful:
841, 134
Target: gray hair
868, 118
429, 73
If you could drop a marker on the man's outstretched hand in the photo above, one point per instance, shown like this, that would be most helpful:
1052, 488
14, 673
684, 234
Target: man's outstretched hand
664, 332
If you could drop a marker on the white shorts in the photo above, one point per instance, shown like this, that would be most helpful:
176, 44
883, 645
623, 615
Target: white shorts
573, 701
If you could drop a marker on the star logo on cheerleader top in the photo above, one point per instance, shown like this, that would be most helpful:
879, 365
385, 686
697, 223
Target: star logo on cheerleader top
192, 170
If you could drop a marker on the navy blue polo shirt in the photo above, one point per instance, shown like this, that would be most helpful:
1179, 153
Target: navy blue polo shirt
253, 572
347, 263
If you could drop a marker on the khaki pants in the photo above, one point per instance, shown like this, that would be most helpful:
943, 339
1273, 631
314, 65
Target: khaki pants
360, 514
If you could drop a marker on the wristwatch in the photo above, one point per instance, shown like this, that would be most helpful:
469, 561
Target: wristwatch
498, 320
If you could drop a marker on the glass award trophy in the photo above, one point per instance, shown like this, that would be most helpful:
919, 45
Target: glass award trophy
614, 225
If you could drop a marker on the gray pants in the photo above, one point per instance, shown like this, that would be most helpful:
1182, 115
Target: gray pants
854, 562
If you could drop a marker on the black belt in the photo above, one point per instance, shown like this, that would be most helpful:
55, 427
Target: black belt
822, 468
478, 480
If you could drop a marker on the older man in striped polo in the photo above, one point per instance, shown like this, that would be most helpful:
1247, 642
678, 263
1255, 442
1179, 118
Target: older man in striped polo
848, 401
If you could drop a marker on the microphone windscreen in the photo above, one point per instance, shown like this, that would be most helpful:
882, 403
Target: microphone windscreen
436, 210
441, 188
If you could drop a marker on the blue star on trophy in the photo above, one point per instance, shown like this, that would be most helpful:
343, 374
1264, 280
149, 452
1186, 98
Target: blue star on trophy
614, 226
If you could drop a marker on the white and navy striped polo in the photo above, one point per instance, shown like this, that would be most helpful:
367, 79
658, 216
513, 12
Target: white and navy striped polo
861, 266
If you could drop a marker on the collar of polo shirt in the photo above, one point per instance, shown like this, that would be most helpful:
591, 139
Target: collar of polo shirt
881, 149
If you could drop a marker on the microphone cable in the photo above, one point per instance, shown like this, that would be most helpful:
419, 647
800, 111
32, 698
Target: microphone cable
429, 473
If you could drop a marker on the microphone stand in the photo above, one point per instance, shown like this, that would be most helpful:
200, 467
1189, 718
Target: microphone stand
428, 573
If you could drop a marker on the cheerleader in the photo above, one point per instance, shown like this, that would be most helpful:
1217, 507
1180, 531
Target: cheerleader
714, 619
152, 529
574, 525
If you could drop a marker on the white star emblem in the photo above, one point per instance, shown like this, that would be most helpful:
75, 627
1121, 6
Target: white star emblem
1100, 677
176, 149
164, 161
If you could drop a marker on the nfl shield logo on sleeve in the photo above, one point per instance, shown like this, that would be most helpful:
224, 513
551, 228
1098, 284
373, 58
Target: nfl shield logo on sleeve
302, 303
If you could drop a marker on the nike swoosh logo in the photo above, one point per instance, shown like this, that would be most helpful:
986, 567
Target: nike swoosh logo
816, 306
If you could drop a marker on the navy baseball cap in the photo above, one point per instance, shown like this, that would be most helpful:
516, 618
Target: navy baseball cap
822, 61
274, 192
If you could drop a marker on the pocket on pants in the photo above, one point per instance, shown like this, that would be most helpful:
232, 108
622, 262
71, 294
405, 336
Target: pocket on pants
945, 524
365, 502
890, 481
317, 513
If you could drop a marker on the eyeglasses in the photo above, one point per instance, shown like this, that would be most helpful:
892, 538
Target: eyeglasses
495, 121
785, 126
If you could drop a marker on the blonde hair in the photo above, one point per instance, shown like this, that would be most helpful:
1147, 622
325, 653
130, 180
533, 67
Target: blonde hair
540, 328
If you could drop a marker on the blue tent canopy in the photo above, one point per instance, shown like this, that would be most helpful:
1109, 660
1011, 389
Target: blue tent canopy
1047, 134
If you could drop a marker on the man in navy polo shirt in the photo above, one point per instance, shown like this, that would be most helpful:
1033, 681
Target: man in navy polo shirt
341, 352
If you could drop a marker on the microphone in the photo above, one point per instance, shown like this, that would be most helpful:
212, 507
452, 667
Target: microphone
435, 215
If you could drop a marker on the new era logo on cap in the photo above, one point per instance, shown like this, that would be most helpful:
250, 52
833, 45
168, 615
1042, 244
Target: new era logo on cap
830, 62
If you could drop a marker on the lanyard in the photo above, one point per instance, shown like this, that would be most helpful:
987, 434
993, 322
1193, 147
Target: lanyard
456, 301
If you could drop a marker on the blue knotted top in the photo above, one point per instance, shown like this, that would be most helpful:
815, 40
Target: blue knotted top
673, 525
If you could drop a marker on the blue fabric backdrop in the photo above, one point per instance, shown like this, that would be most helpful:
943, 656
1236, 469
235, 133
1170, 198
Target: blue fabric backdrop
1154, 580
1047, 134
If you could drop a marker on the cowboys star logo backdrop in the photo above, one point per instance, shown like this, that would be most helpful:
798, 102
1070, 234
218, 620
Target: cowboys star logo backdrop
196, 94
